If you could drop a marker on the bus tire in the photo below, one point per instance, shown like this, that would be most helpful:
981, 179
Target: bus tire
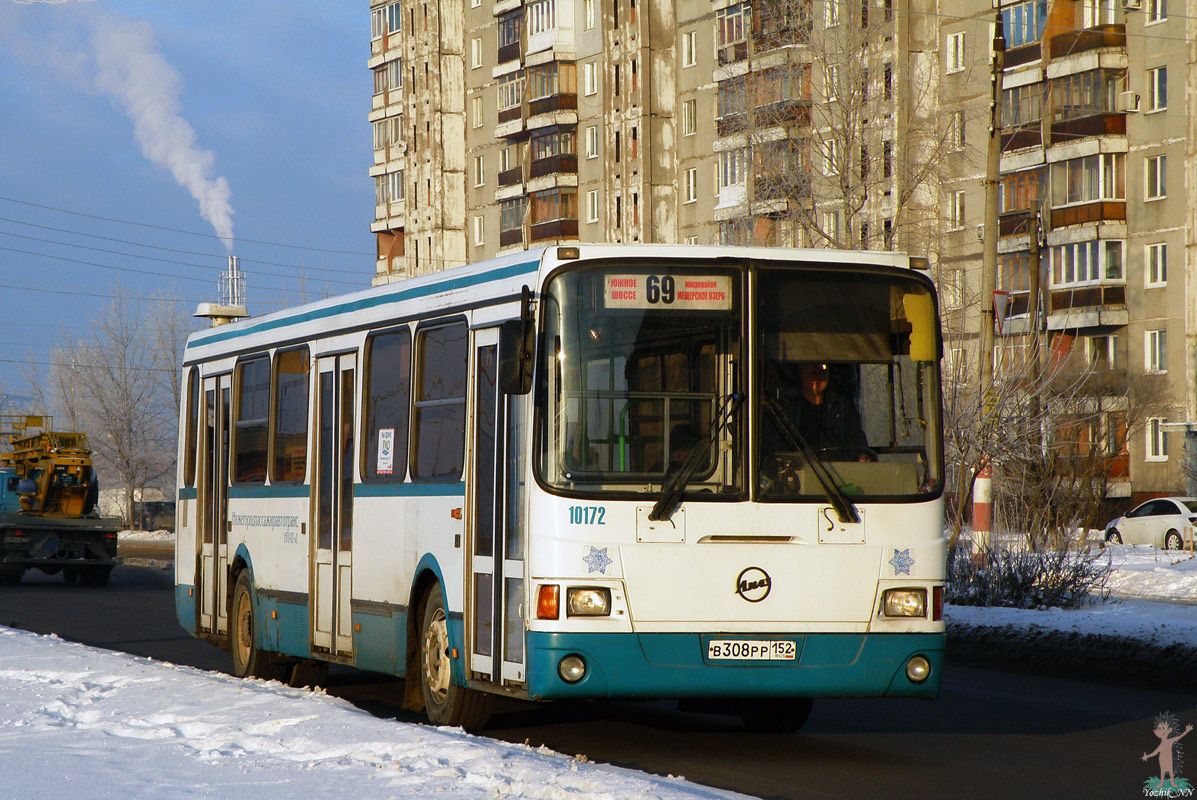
775, 714
248, 660
445, 703
308, 673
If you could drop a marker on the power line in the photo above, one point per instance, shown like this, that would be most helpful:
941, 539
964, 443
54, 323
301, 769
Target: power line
179, 230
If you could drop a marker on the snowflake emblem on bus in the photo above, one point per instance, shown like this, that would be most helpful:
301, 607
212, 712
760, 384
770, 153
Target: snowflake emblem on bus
901, 562
597, 560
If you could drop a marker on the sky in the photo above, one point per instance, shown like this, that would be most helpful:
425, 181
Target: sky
139, 141
77, 721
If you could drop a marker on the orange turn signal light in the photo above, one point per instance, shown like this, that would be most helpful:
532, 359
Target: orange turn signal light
548, 601
456, 513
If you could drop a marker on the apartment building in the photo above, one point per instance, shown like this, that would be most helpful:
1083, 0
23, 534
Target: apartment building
506, 124
1095, 174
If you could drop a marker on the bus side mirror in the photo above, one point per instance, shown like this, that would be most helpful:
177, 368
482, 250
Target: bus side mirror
517, 343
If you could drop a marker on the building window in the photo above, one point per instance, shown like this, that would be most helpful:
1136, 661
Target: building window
689, 117
1157, 440
689, 54
691, 194
384, 20
592, 141
476, 52
542, 16
476, 111
954, 53
592, 205
1082, 94
511, 90
511, 214
1091, 262
1155, 182
551, 79
554, 204
831, 157
1098, 12
1157, 11
552, 142
732, 24
731, 173
1155, 346
510, 26
479, 170
831, 225
479, 230
832, 14
1157, 89
1156, 257
1023, 23
1088, 179
590, 78
956, 139
690, 240
956, 210
1103, 351
887, 160
395, 184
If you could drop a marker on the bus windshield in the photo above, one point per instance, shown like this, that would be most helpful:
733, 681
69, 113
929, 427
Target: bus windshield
848, 364
644, 365
640, 363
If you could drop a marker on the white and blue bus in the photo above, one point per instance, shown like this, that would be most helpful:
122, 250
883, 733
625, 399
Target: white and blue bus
596, 471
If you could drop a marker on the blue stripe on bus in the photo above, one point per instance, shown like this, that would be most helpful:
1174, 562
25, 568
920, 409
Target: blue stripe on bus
261, 492
371, 302
661, 665
409, 489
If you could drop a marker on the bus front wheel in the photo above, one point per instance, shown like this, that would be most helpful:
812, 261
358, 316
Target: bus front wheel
445, 703
248, 660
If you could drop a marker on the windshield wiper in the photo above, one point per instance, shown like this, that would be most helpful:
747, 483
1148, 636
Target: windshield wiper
843, 507
675, 484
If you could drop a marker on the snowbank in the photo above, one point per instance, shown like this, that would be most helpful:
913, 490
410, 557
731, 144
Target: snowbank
81, 722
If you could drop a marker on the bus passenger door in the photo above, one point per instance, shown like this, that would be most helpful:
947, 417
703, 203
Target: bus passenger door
332, 545
214, 502
496, 575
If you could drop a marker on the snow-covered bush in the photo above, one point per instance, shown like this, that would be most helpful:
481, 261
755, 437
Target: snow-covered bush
1024, 579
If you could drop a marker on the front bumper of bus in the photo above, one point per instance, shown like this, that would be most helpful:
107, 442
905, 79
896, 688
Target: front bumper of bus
658, 665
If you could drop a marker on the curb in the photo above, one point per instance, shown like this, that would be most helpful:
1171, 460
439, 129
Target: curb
1067, 654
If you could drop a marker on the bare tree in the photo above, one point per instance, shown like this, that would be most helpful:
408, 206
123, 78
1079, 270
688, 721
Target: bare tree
840, 129
119, 385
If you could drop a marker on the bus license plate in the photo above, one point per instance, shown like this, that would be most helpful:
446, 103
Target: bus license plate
752, 650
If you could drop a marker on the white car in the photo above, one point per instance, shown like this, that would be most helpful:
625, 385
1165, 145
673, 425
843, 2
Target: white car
1166, 522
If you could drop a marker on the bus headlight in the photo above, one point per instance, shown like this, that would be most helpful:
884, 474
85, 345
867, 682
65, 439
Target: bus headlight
572, 669
588, 601
904, 603
918, 669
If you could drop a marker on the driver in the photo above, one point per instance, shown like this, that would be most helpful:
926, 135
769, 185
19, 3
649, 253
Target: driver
824, 417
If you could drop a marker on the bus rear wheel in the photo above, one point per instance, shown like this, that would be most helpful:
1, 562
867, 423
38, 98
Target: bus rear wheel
775, 715
445, 703
248, 660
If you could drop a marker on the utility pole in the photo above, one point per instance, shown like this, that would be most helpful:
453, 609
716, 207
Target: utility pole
982, 502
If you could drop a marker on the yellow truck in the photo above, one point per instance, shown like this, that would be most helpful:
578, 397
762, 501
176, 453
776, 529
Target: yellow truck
48, 495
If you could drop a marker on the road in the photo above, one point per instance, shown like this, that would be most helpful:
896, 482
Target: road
991, 734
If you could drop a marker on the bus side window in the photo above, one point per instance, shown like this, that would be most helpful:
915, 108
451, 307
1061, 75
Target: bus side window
387, 393
442, 357
289, 446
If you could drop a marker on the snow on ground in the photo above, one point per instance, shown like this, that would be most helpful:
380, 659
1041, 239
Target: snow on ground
81, 722
132, 727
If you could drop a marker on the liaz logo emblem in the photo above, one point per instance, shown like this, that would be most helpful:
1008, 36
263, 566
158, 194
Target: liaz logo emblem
753, 584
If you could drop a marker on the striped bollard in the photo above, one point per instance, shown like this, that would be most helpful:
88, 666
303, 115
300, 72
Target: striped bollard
982, 508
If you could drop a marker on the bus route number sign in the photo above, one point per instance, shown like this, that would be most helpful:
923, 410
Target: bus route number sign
752, 650
680, 292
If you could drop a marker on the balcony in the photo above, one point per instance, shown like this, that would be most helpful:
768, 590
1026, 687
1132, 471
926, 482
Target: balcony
512, 177
509, 52
1085, 307
1015, 223
1102, 124
1089, 212
730, 53
554, 102
1021, 137
566, 162
1026, 54
731, 123
1073, 42
511, 237
1084, 296
556, 229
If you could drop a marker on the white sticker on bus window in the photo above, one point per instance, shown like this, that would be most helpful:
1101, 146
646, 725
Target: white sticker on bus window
386, 451
681, 292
